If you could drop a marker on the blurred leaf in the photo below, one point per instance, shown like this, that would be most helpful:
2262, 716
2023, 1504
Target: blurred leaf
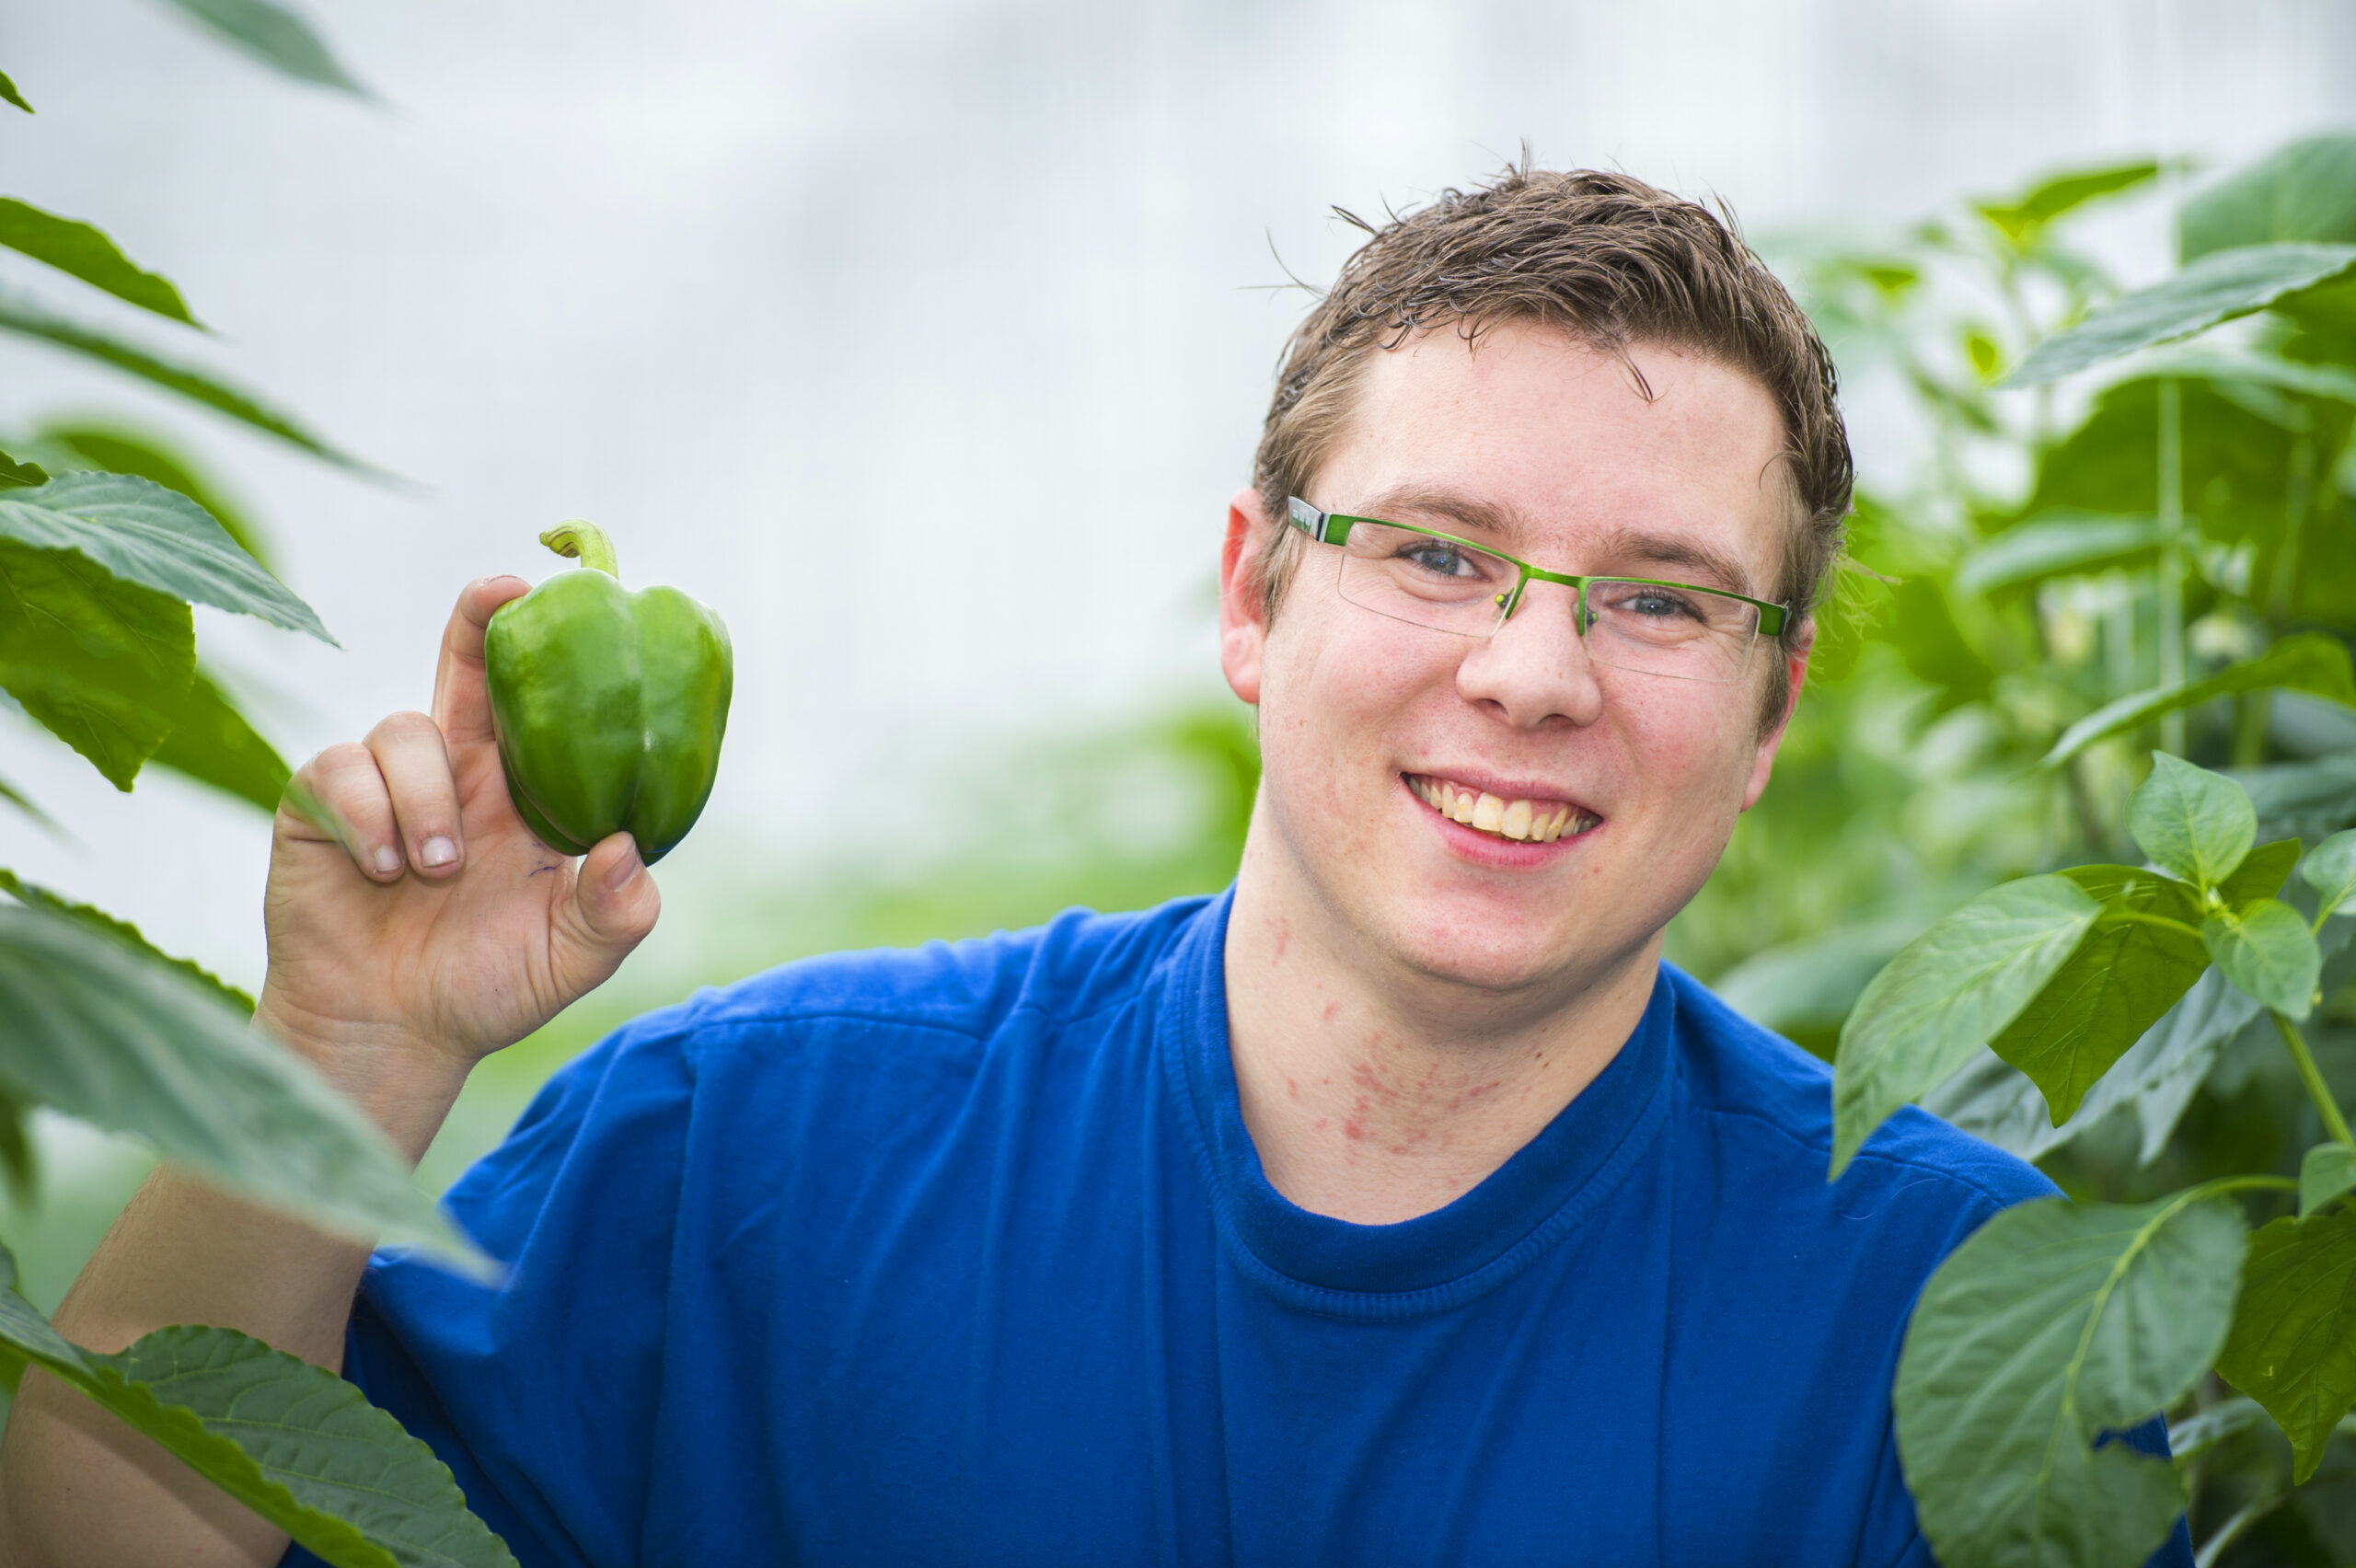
79, 250
116, 449
1945, 995
2337, 382
2305, 191
24, 804
2214, 289
2022, 218
2293, 1344
2195, 1433
34, 896
26, 317
210, 741
2054, 545
2119, 983
2330, 870
2267, 951
8, 93
277, 36
20, 1162
102, 1032
102, 663
145, 534
2328, 1171
2306, 660
2193, 823
16, 475
2054, 1325
2261, 873
2312, 798
293, 1442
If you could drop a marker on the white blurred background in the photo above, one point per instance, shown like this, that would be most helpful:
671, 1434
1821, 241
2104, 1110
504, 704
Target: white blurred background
924, 339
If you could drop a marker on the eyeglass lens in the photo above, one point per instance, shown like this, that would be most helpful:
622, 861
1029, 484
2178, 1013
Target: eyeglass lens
1689, 634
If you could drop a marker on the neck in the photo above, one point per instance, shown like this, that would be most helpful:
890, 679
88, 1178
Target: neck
1375, 1092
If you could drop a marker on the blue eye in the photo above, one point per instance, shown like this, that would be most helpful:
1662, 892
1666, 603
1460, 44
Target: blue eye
1438, 556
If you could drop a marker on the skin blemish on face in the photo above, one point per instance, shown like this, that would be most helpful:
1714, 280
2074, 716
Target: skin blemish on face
1293, 1087
1284, 940
1332, 1012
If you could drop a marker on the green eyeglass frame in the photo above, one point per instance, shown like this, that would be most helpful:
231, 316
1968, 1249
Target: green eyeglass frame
1333, 529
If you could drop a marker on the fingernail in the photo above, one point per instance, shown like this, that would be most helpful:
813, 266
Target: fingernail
386, 859
436, 851
628, 866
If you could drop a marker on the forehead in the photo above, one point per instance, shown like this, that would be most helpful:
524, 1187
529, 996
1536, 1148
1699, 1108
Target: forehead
1551, 441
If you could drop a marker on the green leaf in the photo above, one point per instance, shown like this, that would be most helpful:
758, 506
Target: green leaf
2055, 544
2330, 870
82, 251
2215, 288
2196, 1434
2335, 381
103, 1032
2118, 984
2054, 1324
2193, 823
1946, 993
145, 534
25, 316
2293, 1344
2267, 951
8, 93
2261, 873
2308, 661
35, 896
293, 1442
2315, 798
102, 663
16, 475
212, 742
2021, 219
275, 36
117, 449
24, 804
2306, 191
2328, 1169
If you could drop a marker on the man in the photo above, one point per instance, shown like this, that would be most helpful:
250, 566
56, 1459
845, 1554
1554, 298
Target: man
1398, 1207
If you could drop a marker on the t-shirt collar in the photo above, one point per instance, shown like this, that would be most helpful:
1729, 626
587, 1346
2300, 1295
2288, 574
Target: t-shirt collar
1473, 1244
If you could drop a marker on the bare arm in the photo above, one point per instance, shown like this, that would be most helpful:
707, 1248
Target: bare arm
444, 933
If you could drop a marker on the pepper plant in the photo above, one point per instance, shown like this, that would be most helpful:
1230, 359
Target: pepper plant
2162, 560
100, 564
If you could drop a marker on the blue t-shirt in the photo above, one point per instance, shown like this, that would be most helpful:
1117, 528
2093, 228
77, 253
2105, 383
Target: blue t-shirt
964, 1256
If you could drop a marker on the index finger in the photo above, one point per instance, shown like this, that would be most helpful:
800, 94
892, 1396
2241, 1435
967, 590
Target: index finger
461, 695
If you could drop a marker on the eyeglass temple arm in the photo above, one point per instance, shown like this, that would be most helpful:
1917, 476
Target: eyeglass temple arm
1322, 527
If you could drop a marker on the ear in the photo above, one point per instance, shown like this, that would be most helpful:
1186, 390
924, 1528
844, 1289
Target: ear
1243, 622
1795, 673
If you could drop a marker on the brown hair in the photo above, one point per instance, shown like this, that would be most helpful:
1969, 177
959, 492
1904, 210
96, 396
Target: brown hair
1604, 257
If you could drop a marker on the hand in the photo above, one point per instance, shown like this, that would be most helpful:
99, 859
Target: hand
442, 930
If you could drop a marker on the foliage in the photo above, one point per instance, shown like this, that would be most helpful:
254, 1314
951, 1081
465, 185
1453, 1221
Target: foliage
2147, 1001
101, 562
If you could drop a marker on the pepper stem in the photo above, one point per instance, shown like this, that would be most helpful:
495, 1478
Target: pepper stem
584, 542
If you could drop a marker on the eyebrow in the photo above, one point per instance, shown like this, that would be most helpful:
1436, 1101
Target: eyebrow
1472, 515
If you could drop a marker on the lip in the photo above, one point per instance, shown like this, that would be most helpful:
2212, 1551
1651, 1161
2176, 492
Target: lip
1487, 850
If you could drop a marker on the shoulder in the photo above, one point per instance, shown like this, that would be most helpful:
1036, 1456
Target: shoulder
946, 1001
1774, 1100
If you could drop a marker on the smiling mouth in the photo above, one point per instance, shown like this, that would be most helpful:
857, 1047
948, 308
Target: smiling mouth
1538, 821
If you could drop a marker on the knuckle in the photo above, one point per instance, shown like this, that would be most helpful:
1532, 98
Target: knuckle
403, 730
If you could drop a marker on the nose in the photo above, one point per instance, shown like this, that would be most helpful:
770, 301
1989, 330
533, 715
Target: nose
1534, 670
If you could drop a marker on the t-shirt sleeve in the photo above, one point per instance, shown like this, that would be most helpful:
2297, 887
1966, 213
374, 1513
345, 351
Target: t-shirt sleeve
540, 1395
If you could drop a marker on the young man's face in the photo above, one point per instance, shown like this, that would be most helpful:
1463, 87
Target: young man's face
1546, 448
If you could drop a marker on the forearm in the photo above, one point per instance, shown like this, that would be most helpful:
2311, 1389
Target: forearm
79, 1487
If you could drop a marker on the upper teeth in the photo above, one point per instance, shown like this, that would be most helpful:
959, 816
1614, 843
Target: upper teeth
1543, 821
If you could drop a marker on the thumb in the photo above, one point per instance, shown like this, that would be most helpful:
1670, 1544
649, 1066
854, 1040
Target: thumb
614, 904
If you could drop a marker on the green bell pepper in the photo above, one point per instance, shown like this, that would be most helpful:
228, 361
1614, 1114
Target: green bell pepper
609, 706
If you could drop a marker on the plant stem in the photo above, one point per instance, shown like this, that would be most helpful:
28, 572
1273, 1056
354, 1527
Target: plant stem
585, 541
2171, 519
2309, 1074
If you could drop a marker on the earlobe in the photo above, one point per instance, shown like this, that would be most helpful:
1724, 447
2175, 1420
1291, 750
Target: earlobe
1243, 621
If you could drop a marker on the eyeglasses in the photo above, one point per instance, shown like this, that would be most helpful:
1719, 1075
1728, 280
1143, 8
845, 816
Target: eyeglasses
1430, 578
